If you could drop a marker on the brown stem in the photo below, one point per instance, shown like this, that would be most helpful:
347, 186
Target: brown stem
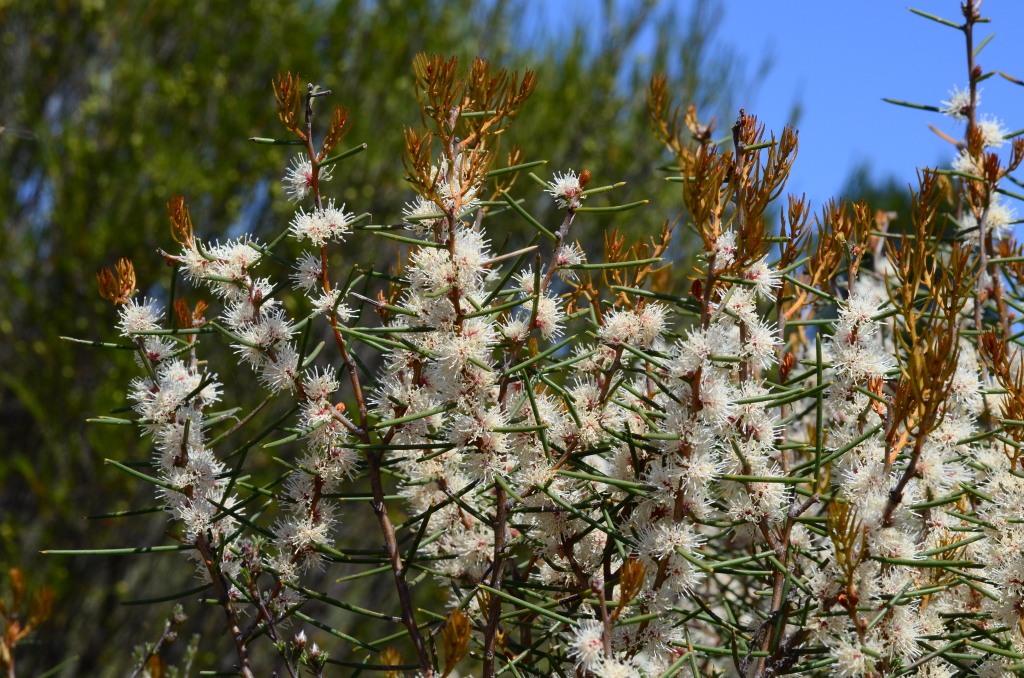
705, 320
606, 388
498, 569
606, 620
513, 354
896, 494
254, 593
225, 601
983, 267
766, 640
315, 168
373, 458
970, 10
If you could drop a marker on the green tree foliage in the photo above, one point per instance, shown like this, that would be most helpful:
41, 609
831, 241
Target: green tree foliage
108, 108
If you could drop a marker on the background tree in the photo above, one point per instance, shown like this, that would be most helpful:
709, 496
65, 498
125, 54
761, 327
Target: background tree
109, 108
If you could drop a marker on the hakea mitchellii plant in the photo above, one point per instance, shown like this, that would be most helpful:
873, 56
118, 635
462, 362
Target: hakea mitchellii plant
805, 462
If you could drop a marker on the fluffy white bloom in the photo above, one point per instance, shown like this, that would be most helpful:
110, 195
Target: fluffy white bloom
965, 162
851, 661
322, 226
566, 189
569, 255
765, 279
470, 253
725, 250
138, 317
549, 317
516, 329
992, 131
998, 220
761, 501
319, 385
651, 321
301, 533
641, 326
716, 396
298, 179
899, 631
761, 344
526, 280
415, 211
157, 349
620, 327
309, 273
327, 303
280, 372
616, 668
587, 644
958, 103
473, 342
856, 349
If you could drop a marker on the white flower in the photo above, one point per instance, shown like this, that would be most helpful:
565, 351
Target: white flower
761, 344
851, 661
569, 255
321, 226
298, 179
526, 281
856, 349
138, 317
640, 326
992, 131
473, 342
476, 430
470, 253
761, 501
549, 317
899, 630
304, 531
157, 349
328, 302
725, 250
415, 211
280, 372
998, 220
268, 331
587, 644
765, 279
715, 398
516, 329
620, 327
958, 103
965, 163
566, 189
309, 272
615, 668
651, 319
319, 385
663, 539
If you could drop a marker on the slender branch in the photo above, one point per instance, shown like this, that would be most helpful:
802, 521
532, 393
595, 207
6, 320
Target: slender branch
497, 574
225, 601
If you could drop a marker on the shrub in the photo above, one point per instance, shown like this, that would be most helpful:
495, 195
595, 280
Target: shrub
807, 462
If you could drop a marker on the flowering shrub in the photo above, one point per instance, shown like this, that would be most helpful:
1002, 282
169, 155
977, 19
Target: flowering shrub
806, 462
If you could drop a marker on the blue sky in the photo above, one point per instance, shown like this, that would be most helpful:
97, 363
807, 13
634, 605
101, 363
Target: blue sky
837, 59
